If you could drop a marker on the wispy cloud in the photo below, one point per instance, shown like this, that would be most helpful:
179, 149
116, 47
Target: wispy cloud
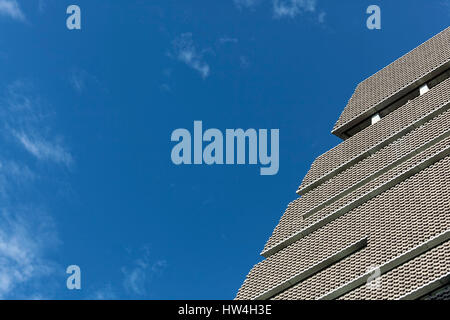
24, 238
184, 50
27, 231
13, 175
105, 293
11, 8
246, 3
26, 121
446, 5
164, 87
77, 81
42, 4
137, 278
285, 8
138, 275
225, 40
244, 62
43, 149
291, 8
80, 80
321, 17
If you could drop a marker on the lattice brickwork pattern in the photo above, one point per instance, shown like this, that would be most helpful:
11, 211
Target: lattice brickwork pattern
348, 178
292, 224
397, 220
399, 74
389, 184
377, 133
407, 277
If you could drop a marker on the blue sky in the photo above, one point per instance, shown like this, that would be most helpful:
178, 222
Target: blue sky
86, 117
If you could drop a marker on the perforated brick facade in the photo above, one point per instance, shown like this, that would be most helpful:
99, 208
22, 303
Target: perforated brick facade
373, 217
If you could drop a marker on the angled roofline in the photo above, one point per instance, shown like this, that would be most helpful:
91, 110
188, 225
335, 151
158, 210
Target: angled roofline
340, 128
340, 131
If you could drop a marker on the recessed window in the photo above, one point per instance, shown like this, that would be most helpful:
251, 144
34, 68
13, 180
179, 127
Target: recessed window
413, 94
375, 118
424, 89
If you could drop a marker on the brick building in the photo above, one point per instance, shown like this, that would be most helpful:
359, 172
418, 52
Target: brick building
377, 206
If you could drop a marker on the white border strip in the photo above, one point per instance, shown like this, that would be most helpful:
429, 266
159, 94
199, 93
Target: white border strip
378, 173
416, 83
314, 269
356, 203
396, 135
388, 266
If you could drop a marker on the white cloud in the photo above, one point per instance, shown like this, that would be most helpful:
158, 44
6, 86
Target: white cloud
244, 62
27, 121
13, 175
44, 150
11, 9
135, 279
246, 3
225, 40
105, 293
321, 17
42, 6
24, 238
81, 79
446, 5
77, 82
138, 275
291, 8
186, 52
165, 87
27, 232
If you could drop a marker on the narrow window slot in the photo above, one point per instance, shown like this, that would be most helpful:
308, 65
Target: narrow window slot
418, 91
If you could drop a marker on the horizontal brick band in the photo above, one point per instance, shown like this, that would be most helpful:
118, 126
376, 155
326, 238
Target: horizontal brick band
388, 266
391, 81
359, 196
370, 140
314, 269
402, 217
